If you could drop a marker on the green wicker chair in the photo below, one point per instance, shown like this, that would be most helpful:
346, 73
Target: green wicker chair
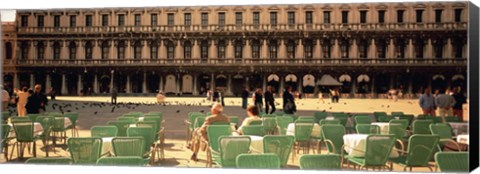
377, 115
5, 139
362, 119
342, 117
84, 150
306, 119
129, 119
122, 161
280, 145
445, 133
24, 137
213, 134
148, 135
408, 117
282, 124
420, 149
421, 126
384, 118
159, 135
452, 161
377, 150
228, 150
452, 119
367, 129
258, 161
397, 128
103, 131
73, 116
397, 114
303, 132
49, 160
234, 119
59, 130
190, 122
320, 162
257, 130
256, 122
122, 127
33, 117
319, 116
333, 137
4, 117
324, 122
136, 113
129, 146
269, 125
47, 125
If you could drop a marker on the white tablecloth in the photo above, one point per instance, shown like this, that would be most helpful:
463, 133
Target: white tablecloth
459, 128
463, 138
107, 147
383, 127
315, 131
355, 145
256, 144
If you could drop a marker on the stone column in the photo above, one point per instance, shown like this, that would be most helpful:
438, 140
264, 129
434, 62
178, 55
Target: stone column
300, 52
160, 83
229, 86
372, 87
128, 50
264, 50
177, 85
196, 50
163, 50
212, 82
145, 52
179, 50
247, 84
317, 50
449, 48
79, 84
113, 51
282, 51
80, 50
230, 50
111, 81
212, 53
354, 49
128, 88
144, 83
95, 84
32, 80
195, 83
410, 85
96, 51
48, 51
429, 49
336, 50
282, 81
48, 83
33, 51
372, 51
354, 86
64, 90
264, 83
391, 49
16, 83
64, 51
410, 49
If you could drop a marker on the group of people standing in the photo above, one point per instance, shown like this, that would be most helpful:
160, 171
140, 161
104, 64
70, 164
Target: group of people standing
448, 103
216, 96
259, 98
28, 101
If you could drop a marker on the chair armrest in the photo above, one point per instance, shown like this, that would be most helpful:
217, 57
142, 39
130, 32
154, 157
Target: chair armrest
331, 144
452, 141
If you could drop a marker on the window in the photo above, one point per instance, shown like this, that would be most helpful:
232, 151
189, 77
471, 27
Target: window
419, 16
88, 50
381, 48
24, 50
104, 20
400, 48
419, 48
255, 49
121, 20
458, 48
309, 17
105, 50
344, 17
88, 20
291, 18
344, 46
8, 47
56, 21
73, 21
438, 15
170, 20
137, 50
204, 49
363, 48
238, 18
170, 50
400, 16
256, 18
221, 49
291, 49
187, 19
308, 49
56, 51
204, 19
238, 49
458, 15
273, 49
363, 16
221, 19
24, 21
40, 21
326, 17
121, 50
72, 51
438, 48
153, 20
138, 20
381, 16
40, 51
154, 50
273, 18
187, 50
326, 48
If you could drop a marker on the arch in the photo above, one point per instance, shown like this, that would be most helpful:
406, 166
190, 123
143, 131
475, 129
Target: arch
291, 78
363, 78
238, 84
438, 76
273, 77
458, 77
170, 84
221, 81
187, 84
345, 78
308, 80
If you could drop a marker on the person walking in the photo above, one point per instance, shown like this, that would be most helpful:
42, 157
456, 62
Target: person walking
22, 101
258, 99
427, 102
114, 96
460, 99
444, 102
289, 106
269, 100
245, 95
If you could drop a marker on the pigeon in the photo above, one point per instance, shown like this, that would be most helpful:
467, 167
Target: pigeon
201, 111
68, 110
95, 113
76, 108
178, 111
330, 108
388, 106
345, 103
113, 109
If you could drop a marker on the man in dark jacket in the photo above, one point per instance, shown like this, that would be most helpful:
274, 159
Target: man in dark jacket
289, 101
245, 95
269, 100
37, 101
459, 101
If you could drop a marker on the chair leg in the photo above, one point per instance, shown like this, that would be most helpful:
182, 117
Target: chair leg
13, 148
34, 149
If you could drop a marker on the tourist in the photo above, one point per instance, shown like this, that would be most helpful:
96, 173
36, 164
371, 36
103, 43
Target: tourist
289, 106
335, 95
245, 95
252, 115
427, 102
114, 96
216, 96
22, 96
269, 100
36, 102
5, 98
460, 99
221, 96
200, 133
444, 102
258, 99
52, 94
160, 97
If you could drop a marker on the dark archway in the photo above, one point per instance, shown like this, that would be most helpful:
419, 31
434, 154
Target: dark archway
438, 82
381, 84
221, 81
153, 82
72, 80
56, 81
238, 85
104, 84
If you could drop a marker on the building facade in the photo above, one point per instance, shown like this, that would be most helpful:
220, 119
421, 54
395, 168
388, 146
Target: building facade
369, 47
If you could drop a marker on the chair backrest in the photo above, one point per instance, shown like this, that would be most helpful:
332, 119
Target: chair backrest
367, 129
384, 118
231, 147
269, 115
47, 124
49, 160
452, 119
122, 161
397, 130
73, 116
145, 132
58, 124
280, 145
258, 161
84, 150
377, 149
154, 113
152, 124
319, 116
192, 116
220, 123
269, 124
214, 132
4, 117
156, 119
303, 131
306, 119
104, 131
363, 119
122, 127
295, 117
23, 130
408, 117
442, 130
397, 114
55, 114
452, 161
5, 131
282, 123
234, 119
256, 122
379, 114
33, 117
333, 133
257, 130
325, 121
198, 122
342, 117
421, 126
320, 162
129, 119
403, 122
129, 146
420, 149
138, 114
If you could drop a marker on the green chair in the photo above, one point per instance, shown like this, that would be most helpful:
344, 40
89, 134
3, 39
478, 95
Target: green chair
153, 113
149, 137
444, 131
49, 160
84, 150
257, 130
295, 117
453, 119
129, 119
213, 133
377, 150
282, 124
367, 129
129, 146
198, 122
5, 139
190, 122
343, 120
303, 132
33, 117
420, 149
47, 125
408, 117
258, 161
319, 116
404, 122
59, 130
159, 134
221, 123
333, 137
269, 125
397, 114
306, 119
122, 161
437, 120
73, 116
4, 117
122, 127
234, 119
421, 126
362, 119
256, 122
228, 150
320, 162
24, 137
325, 121
281, 145
136, 113
384, 118
54, 114
103, 131
377, 115
397, 128
452, 161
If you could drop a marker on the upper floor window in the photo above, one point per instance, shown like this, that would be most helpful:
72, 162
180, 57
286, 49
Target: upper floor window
344, 47
24, 50
105, 50
458, 47
137, 50
273, 49
221, 18
204, 49
438, 15
72, 51
400, 16
238, 49
24, 21
273, 18
187, 19
154, 50
170, 20
291, 18
170, 50
419, 45
121, 50
326, 48
381, 48
291, 49
255, 49
56, 51
187, 50
238, 18
204, 19
40, 21
309, 17
308, 49
40, 51
88, 20
344, 17
256, 18
363, 16
419, 16
363, 48
121, 20
8, 52
56, 21
154, 20
104, 20
73, 21
381, 16
326, 17
138, 20
458, 15
400, 48
221, 49
438, 48
88, 50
